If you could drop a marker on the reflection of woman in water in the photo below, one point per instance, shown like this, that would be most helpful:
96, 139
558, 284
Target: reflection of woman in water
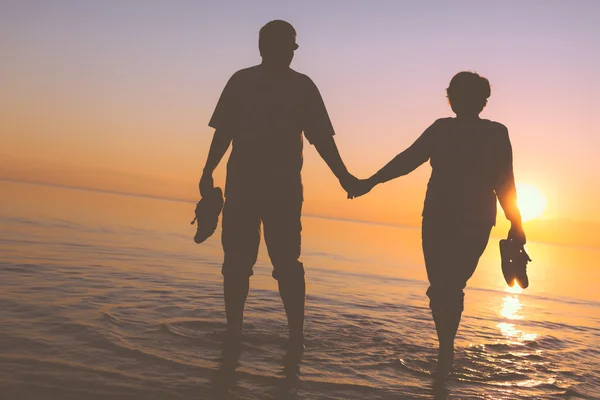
471, 160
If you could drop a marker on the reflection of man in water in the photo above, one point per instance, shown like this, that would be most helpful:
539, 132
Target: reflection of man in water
263, 110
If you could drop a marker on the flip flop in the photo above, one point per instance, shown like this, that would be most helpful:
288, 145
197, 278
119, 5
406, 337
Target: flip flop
514, 263
207, 214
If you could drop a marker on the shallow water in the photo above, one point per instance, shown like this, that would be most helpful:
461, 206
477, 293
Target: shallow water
106, 296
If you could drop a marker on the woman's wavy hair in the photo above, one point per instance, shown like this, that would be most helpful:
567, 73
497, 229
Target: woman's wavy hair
468, 93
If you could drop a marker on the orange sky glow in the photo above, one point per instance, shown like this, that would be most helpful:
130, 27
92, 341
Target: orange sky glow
126, 109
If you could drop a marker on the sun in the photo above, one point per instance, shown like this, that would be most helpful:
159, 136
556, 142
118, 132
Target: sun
532, 202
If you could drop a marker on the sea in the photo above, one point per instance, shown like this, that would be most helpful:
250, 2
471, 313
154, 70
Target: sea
106, 296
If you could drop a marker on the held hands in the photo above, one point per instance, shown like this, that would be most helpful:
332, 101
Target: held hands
358, 187
363, 187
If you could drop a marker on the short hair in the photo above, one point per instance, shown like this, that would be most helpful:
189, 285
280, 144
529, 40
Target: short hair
275, 36
468, 92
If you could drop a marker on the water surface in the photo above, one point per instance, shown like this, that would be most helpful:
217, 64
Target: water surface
107, 296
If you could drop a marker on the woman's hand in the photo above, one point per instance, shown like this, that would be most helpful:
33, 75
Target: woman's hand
517, 233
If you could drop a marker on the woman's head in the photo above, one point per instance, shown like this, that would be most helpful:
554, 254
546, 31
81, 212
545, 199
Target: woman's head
468, 93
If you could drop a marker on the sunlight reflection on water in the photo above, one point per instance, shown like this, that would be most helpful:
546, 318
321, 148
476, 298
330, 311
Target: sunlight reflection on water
103, 282
511, 305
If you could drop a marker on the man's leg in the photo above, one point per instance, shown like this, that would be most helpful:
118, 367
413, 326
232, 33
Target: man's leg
282, 224
293, 295
240, 238
235, 291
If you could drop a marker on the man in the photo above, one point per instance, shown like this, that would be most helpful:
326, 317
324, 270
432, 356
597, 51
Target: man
263, 111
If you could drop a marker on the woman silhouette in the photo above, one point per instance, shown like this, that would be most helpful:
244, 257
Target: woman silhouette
471, 160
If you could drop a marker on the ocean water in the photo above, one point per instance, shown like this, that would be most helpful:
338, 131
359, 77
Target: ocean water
105, 296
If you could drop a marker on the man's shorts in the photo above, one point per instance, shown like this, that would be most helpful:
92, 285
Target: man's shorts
282, 230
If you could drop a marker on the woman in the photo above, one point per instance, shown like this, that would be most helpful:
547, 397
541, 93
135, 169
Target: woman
471, 160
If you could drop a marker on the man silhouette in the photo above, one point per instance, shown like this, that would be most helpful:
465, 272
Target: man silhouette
263, 111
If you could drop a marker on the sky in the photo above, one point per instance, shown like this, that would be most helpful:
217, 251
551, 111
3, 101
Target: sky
116, 95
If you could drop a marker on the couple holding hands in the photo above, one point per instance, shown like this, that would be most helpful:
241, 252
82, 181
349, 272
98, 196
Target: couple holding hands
263, 112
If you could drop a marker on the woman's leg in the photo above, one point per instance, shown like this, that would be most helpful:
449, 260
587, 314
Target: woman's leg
451, 254
446, 326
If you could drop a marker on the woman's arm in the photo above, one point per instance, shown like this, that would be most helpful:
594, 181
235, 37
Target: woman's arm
506, 190
404, 163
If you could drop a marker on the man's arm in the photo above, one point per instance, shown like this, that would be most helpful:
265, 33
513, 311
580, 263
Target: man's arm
220, 143
224, 121
319, 131
329, 152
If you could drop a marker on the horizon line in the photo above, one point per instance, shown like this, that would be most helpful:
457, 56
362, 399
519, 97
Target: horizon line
318, 216
183, 200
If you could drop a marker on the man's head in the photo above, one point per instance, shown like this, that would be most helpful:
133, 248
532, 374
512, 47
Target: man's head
468, 93
277, 42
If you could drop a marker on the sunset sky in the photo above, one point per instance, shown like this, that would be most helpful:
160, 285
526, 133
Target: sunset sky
116, 95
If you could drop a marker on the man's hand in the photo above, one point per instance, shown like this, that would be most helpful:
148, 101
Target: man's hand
349, 183
517, 233
206, 184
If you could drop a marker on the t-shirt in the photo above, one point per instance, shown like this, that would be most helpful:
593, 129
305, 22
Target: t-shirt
471, 166
265, 112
